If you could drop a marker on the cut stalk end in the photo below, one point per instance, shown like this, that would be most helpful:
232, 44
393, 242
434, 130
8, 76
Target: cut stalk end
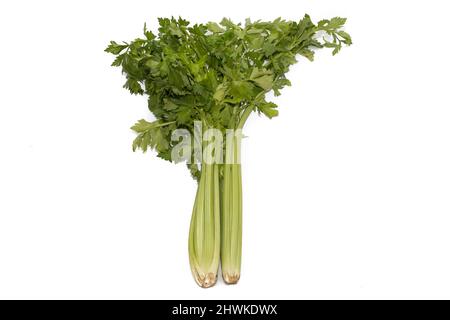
206, 280
231, 278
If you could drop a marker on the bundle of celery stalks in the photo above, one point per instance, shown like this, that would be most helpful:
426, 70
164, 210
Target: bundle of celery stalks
202, 82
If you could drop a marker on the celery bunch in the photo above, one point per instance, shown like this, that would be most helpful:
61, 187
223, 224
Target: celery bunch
216, 75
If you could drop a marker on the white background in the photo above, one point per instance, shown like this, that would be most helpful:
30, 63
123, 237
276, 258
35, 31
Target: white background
346, 194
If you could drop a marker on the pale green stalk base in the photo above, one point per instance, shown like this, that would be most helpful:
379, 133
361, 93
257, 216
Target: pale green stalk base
204, 233
231, 220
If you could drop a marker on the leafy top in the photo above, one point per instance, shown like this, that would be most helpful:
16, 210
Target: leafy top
215, 73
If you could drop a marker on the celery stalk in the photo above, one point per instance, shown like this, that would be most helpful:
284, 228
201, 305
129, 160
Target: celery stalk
231, 216
204, 233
